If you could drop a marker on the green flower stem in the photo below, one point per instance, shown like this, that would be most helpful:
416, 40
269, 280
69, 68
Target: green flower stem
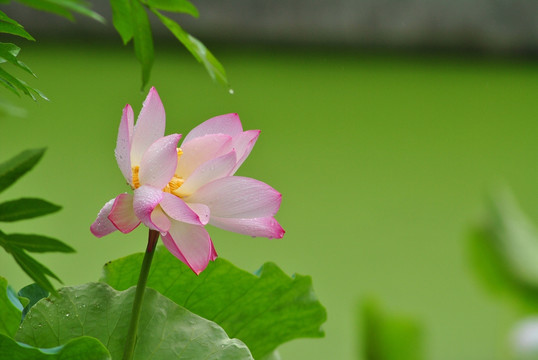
130, 342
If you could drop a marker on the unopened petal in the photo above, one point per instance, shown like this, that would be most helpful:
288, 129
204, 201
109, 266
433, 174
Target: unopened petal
159, 163
224, 124
122, 214
190, 244
123, 144
200, 150
146, 199
208, 172
149, 126
178, 210
238, 197
102, 226
265, 227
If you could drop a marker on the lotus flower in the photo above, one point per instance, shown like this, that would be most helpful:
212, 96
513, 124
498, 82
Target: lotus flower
179, 190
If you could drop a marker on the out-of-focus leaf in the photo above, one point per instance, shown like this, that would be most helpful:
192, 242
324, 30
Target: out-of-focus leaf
178, 6
14, 168
64, 8
37, 271
25, 208
33, 293
122, 19
165, 329
388, 337
143, 41
197, 49
81, 348
504, 252
8, 109
10, 315
10, 26
263, 310
38, 243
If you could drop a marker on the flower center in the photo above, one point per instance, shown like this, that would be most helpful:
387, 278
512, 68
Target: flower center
173, 185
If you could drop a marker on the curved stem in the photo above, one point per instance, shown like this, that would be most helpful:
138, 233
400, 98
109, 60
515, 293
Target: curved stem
130, 342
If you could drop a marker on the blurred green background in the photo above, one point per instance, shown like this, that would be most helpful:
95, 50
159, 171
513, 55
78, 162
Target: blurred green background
383, 160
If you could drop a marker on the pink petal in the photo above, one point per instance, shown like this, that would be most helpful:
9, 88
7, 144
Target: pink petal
123, 144
159, 162
178, 210
202, 211
265, 226
146, 199
122, 214
238, 197
224, 124
200, 150
149, 126
243, 145
102, 226
207, 172
213, 255
160, 220
190, 244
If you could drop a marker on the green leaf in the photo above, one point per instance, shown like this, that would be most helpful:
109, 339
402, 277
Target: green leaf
504, 253
33, 293
15, 85
197, 49
81, 348
122, 19
388, 337
38, 243
165, 329
263, 310
14, 168
9, 52
10, 26
10, 314
178, 6
37, 271
143, 41
25, 208
64, 8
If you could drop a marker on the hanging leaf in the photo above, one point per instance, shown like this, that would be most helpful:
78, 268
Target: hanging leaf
122, 19
143, 41
197, 49
37, 243
177, 6
263, 310
64, 8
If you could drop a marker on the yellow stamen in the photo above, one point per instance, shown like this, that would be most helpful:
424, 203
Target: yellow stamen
136, 179
172, 186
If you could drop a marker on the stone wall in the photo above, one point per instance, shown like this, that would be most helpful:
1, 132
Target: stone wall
497, 25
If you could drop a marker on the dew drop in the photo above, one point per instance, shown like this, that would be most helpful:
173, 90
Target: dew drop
231, 91
67, 315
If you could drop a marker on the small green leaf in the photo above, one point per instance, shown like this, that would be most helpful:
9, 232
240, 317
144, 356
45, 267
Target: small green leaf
48, 6
81, 348
9, 52
37, 271
197, 49
122, 19
10, 315
14, 168
388, 337
33, 293
25, 208
38, 243
143, 41
165, 329
178, 6
14, 84
263, 310
10, 26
